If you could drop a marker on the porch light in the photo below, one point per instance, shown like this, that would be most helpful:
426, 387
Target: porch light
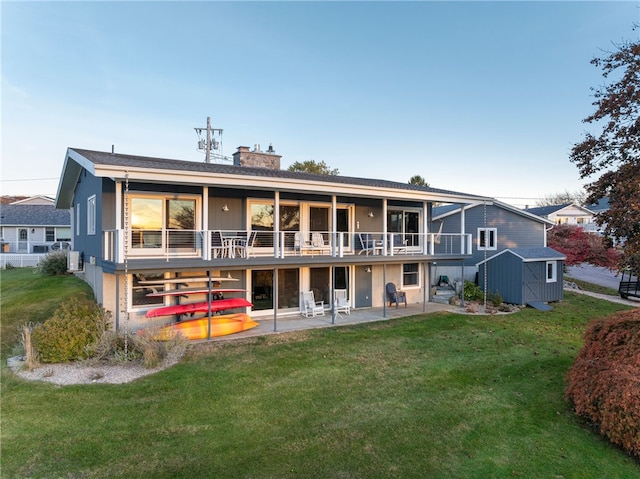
225, 208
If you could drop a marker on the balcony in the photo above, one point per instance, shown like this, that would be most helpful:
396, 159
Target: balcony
215, 245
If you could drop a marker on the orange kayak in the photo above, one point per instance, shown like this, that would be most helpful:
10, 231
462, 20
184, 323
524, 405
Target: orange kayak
199, 328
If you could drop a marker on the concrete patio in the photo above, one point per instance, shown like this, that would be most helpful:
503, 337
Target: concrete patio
297, 322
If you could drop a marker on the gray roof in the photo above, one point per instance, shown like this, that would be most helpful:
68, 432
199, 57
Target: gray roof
132, 161
547, 210
530, 254
33, 215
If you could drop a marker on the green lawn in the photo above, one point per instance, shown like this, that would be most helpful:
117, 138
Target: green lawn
430, 396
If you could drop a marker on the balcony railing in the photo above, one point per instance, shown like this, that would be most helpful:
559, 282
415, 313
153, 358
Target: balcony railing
224, 244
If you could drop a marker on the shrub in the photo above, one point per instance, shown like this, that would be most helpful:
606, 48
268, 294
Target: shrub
74, 326
494, 298
55, 263
604, 380
472, 291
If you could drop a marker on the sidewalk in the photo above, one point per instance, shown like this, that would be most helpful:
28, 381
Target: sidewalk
606, 297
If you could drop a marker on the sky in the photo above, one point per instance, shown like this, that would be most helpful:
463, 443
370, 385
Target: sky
485, 98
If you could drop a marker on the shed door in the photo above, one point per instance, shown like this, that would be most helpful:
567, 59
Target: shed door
533, 281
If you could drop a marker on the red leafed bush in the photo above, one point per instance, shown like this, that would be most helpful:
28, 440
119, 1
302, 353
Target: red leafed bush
581, 247
604, 380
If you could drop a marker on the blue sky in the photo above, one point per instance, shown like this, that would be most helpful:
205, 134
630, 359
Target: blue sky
477, 97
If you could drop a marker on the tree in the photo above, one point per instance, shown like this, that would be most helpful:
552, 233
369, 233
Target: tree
418, 180
311, 166
554, 199
615, 152
581, 247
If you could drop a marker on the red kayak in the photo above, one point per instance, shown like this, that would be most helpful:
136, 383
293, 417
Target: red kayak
201, 307
200, 328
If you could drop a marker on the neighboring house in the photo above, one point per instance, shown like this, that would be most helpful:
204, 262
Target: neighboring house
524, 275
493, 227
569, 214
33, 225
277, 233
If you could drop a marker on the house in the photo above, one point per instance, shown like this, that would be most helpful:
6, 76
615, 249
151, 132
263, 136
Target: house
142, 226
493, 226
569, 214
524, 275
33, 225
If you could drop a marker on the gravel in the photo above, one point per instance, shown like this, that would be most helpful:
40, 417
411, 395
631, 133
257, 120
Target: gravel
65, 374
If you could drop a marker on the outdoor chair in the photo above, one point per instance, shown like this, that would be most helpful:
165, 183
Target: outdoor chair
245, 246
310, 306
395, 296
369, 245
218, 249
399, 245
341, 302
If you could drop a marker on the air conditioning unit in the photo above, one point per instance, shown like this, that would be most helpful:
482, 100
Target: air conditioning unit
73, 261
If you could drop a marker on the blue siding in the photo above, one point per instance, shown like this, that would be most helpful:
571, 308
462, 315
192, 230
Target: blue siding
89, 245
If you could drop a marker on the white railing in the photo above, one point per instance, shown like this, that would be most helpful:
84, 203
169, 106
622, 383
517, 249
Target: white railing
224, 244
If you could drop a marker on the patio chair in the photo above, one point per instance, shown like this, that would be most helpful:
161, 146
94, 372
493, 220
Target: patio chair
245, 246
395, 296
341, 303
218, 249
399, 245
301, 242
310, 306
368, 244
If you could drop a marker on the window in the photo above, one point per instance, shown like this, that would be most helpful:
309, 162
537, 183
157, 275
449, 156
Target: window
552, 271
91, 215
49, 234
158, 222
139, 296
487, 239
78, 219
63, 234
407, 223
410, 274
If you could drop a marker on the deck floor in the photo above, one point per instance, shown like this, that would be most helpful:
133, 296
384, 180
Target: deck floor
289, 323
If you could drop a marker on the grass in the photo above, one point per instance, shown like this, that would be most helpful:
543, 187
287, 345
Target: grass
593, 288
429, 396
27, 296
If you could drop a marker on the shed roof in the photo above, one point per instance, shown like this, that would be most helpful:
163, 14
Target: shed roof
528, 255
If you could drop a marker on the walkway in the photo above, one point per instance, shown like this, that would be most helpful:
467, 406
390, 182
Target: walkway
296, 322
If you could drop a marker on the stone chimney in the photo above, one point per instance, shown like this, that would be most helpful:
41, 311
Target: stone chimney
256, 157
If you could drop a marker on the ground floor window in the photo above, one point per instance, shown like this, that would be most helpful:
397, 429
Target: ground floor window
410, 274
139, 295
262, 289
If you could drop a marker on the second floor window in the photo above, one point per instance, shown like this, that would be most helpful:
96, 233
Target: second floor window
487, 239
91, 215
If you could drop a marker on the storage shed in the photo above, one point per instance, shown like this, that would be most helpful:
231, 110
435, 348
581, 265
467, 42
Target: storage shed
524, 275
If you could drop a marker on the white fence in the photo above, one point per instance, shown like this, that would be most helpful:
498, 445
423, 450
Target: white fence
16, 260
